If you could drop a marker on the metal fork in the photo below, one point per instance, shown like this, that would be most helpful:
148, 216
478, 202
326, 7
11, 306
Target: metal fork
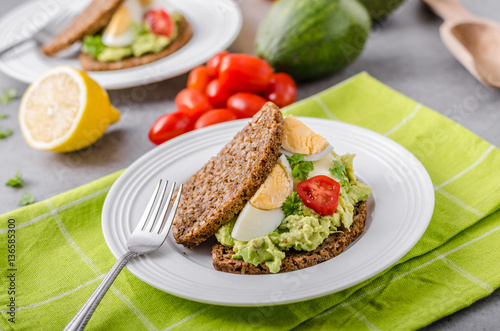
147, 237
44, 32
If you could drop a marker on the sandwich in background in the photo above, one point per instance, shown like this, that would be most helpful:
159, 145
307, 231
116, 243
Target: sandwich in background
120, 34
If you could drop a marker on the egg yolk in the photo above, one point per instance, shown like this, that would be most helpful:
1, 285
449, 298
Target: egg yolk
298, 138
274, 191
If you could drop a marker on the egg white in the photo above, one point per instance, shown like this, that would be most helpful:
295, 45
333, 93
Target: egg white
253, 222
313, 157
126, 38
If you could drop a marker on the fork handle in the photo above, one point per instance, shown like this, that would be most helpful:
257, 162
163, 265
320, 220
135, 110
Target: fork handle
82, 317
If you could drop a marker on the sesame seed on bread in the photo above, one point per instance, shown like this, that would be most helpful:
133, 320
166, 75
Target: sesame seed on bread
220, 189
92, 19
335, 244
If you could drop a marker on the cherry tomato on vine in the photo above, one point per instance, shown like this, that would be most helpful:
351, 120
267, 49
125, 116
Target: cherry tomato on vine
245, 104
245, 73
192, 102
282, 90
214, 116
214, 63
320, 193
217, 93
169, 126
198, 79
160, 22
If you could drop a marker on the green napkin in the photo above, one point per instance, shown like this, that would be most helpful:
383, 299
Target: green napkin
61, 255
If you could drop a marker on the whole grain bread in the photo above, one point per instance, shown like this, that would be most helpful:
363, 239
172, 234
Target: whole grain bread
220, 189
335, 244
184, 35
89, 21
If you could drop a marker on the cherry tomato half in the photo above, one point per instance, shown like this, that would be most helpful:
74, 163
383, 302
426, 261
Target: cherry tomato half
214, 63
214, 116
282, 90
245, 104
245, 73
320, 193
160, 22
192, 102
169, 126
217, 93
198, 79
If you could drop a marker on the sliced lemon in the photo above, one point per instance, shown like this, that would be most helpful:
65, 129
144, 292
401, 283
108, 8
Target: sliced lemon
65, 110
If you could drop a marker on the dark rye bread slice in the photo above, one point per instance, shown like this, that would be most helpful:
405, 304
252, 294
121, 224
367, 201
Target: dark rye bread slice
89, 21
335, 244
184, 35
220, 189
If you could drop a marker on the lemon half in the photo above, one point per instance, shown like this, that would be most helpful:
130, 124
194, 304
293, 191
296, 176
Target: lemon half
65, 110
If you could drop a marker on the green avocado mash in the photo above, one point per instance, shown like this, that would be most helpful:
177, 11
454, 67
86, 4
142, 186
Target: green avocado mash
145, 42
306, 229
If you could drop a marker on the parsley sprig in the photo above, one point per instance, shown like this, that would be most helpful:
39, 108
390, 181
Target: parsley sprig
300, 168
26, 199
292, 205
7, 96
339, 172
15, 181
4, 133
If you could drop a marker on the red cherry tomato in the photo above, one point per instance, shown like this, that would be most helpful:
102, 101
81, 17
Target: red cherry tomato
245, 104
245, 73
282, 90
320, 193
214, 63
160, 22
169, 126
214, 116
217, 93
198, 79
192, 102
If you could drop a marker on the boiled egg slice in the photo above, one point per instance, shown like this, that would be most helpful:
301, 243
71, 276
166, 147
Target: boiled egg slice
298, 138
321, 167
120, 31
262, 214
254, 222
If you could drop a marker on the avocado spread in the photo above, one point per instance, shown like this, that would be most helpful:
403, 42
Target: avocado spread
304, 230
145, 42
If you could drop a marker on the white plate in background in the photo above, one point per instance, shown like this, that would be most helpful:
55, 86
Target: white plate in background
215, 23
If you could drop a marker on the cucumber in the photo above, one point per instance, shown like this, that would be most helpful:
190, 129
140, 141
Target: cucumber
309, 39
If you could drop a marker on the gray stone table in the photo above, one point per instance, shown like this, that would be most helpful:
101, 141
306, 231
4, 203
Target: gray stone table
405, 52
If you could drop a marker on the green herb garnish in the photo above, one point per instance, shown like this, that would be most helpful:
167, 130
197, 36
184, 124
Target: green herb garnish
300, 168
339, 172
4, 133
93, 45
26, 199
140, 29
292, 205
15, 181
3, 116
7, 96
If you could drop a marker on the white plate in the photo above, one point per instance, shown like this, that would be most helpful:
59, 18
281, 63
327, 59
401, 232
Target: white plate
399, 212
215, 23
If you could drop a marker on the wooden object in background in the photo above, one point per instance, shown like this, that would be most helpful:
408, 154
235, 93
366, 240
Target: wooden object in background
473, 40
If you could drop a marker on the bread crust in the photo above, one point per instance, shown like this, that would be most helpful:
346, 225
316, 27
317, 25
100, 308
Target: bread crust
184, 35
335, 244
220, 189
93, 18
